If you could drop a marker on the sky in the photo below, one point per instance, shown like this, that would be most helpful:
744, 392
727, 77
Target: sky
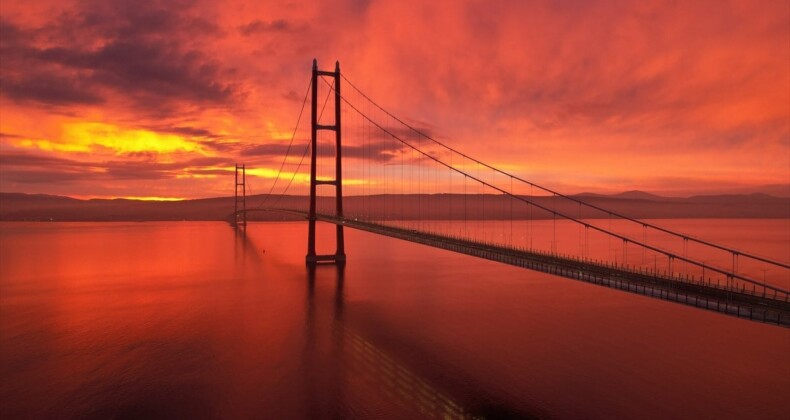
159, 99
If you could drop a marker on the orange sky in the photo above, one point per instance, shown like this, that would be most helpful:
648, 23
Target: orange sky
104, 98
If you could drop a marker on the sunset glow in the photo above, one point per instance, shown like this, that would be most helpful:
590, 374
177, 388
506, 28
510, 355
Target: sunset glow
153, 198
111, 99
411, 209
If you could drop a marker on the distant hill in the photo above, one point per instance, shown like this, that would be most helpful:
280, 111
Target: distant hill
633, 195
38, 207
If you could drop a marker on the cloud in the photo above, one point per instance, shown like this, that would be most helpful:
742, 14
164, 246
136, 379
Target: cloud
145, 56
29, 168
50, 89
187, 131
272, 149
155, 72
293, 96
86, 137
378, 151
542, 88
258, 26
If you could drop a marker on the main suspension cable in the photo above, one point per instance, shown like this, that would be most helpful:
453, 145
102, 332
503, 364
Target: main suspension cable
288, 151
582, 202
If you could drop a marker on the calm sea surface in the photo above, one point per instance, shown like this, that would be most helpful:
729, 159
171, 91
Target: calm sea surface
184, 319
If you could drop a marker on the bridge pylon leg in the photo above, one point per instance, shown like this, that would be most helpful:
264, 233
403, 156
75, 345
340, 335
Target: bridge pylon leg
339, 257
240, 200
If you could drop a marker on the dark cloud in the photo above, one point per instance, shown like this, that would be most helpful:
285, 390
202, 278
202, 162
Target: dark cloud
43, 176
403, 133
49, 88
378, 151
186, 131
27, 159
352, 9
11, 34
151, 169
209, 172
277, 149
127, 19
292, 96
207, 161
157, 71
27, 168
221, 145
258, 26
147, 56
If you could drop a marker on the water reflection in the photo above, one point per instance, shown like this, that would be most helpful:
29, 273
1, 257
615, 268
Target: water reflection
356, 368
245, 251
322, 375
164, 320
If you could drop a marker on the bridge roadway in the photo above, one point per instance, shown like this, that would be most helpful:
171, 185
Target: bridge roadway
742, 303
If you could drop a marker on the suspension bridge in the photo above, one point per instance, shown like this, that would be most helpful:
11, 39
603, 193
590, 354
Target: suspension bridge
405, 183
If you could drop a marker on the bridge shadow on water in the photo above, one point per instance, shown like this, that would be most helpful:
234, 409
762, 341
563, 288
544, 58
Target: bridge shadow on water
245, 251
350, 372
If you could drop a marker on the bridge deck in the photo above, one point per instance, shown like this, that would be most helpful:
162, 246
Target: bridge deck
735, 302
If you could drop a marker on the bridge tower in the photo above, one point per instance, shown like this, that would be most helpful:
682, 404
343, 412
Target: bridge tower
339, 257
240, 201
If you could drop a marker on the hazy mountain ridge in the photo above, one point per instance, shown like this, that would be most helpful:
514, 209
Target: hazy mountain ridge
638, 204
632, 195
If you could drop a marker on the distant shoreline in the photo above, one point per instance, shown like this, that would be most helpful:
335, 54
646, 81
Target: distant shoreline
45, 208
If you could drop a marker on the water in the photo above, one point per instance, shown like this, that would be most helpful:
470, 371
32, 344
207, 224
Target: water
158, 320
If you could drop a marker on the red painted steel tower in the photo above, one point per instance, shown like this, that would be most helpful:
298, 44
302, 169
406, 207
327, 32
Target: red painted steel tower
240, 206
339, 256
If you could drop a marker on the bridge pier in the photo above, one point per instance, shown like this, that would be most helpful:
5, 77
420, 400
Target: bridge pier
339, 257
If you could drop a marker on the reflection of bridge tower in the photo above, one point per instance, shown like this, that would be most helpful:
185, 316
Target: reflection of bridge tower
340, 254
240, 203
